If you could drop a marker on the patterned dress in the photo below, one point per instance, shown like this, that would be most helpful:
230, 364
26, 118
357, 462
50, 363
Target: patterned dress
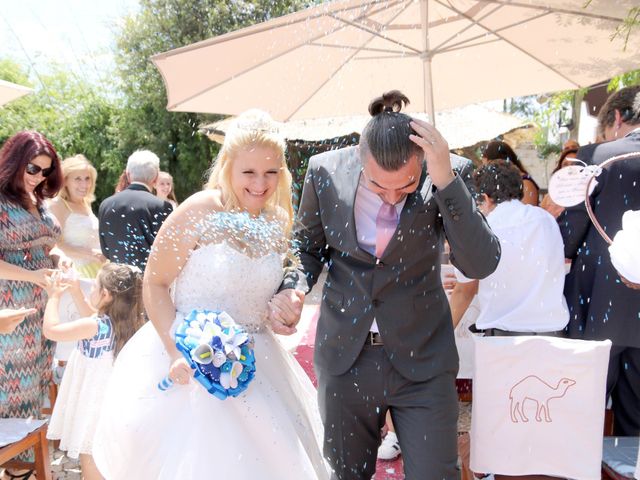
25, 354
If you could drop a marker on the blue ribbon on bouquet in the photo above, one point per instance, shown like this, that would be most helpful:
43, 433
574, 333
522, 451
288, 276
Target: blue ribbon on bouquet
218, 350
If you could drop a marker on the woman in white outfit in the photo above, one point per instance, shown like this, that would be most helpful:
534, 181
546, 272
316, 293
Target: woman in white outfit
72, 209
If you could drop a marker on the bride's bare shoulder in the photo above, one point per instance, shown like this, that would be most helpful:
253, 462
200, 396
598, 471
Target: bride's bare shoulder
200, 204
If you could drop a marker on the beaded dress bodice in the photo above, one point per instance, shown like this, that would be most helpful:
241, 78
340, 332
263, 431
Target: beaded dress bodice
237, 268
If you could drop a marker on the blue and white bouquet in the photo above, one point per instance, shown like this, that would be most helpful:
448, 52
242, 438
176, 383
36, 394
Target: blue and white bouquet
219, 350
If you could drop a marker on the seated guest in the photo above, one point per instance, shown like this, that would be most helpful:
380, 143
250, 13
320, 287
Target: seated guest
524, 294
497, 150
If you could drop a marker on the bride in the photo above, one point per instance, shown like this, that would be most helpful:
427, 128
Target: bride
222, 249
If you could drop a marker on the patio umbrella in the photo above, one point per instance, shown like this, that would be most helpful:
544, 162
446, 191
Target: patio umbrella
10, 91
461, 127
332, 59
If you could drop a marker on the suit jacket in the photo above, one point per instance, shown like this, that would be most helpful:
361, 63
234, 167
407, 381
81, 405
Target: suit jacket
128, 224
600, 305
402, 290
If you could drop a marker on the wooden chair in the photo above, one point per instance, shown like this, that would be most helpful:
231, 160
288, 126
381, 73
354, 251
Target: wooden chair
36, 440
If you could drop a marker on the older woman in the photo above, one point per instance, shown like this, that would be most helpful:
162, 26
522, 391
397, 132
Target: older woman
72, 208
29, 172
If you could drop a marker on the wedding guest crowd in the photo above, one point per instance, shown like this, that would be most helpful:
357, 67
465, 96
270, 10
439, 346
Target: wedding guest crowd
376, 358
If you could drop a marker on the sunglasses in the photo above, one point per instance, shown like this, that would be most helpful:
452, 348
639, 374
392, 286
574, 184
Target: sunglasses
33, 169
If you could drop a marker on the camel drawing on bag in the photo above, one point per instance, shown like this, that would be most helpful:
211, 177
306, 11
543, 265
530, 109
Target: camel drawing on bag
535, 389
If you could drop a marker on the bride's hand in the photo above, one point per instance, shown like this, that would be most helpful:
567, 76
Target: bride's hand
180, 372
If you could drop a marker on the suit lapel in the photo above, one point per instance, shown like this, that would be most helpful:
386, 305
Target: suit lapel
353, 172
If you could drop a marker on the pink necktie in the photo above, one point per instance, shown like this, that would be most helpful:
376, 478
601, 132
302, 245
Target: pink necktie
386, 223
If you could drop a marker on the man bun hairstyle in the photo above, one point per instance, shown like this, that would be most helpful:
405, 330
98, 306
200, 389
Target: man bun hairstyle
386, 136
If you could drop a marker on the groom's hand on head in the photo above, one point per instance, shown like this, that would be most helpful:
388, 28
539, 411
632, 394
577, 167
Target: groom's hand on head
285, 309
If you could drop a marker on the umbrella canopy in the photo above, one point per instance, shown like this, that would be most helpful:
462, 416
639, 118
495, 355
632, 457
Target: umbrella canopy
10, 91
332, 59
461, 126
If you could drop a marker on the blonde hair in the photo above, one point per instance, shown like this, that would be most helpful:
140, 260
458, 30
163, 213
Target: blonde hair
78, 163
253, 128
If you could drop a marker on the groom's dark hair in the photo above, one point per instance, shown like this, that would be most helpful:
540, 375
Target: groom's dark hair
386, 136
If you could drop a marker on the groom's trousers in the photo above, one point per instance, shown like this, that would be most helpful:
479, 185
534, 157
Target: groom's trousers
353, 408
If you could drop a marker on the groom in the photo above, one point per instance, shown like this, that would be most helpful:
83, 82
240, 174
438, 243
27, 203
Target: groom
377, 215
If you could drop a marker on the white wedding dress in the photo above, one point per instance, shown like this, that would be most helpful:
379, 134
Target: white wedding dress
271, 431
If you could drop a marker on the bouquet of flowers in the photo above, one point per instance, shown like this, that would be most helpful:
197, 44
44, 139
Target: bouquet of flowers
219, 350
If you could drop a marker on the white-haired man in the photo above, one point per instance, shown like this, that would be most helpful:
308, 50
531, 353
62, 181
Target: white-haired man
130, 219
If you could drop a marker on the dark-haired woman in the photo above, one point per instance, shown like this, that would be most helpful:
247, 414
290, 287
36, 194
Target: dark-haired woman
29, 173
497, 150
563, 161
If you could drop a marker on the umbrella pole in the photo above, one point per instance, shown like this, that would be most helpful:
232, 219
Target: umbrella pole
425, 56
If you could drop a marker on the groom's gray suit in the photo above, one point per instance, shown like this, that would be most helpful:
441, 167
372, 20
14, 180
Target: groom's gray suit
414, 370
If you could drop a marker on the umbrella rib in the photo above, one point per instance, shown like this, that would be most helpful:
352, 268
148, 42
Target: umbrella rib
258, 28
436, 49
509, 42
377, 34
252, 67
351, 47
553, 10
461, 44
312, 94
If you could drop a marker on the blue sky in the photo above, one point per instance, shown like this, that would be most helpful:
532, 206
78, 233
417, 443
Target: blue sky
79, 34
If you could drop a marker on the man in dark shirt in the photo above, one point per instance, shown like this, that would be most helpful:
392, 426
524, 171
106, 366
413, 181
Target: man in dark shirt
130, 219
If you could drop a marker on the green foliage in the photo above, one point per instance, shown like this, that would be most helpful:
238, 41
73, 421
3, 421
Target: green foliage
73, 114
631, 21
162, 25
625, 80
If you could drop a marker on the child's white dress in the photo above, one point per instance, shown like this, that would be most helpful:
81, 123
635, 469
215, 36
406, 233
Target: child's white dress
79, 401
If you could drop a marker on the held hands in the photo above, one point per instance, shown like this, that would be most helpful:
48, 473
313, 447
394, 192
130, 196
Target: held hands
436, 152
285, 309
11, 318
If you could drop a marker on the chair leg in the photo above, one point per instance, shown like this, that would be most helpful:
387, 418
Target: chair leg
43, 469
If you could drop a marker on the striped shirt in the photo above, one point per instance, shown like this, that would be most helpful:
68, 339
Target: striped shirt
102, 342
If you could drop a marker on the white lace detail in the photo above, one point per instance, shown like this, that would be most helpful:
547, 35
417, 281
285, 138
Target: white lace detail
212, 274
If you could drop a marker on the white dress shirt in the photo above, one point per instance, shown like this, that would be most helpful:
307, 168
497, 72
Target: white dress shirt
525, 293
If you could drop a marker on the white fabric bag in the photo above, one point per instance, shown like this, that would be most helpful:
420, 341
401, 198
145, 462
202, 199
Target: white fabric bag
538, 406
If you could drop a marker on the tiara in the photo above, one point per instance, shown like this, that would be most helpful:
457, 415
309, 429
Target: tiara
258, 125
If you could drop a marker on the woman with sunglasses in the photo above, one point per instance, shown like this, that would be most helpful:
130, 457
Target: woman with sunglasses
29, 173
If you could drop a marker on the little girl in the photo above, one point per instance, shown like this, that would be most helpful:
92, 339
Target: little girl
112, 315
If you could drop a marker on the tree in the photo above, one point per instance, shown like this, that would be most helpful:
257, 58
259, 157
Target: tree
77, 117
162, 25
